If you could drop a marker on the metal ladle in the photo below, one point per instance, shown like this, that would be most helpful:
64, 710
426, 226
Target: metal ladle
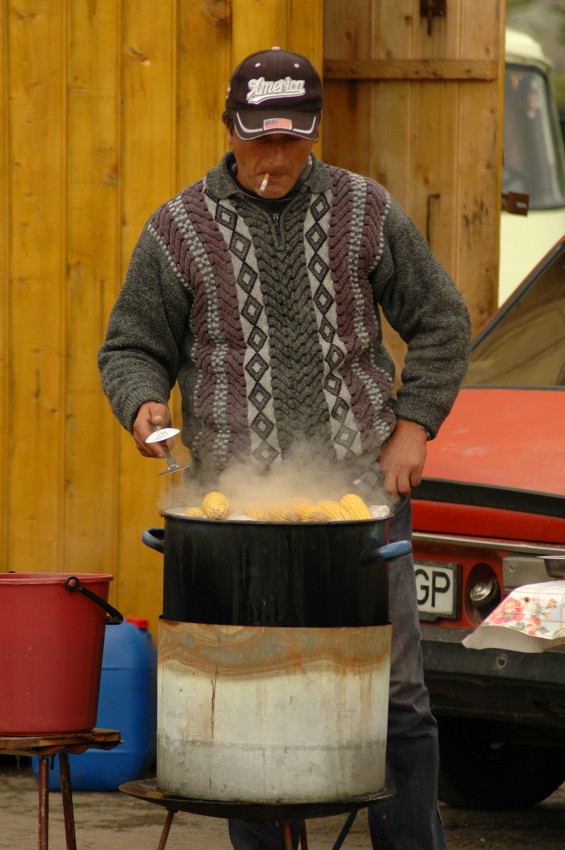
161, 435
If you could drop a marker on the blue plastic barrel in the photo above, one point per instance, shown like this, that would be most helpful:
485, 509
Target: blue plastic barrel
127, 702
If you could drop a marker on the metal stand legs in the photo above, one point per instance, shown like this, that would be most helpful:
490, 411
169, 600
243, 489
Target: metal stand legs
67, 797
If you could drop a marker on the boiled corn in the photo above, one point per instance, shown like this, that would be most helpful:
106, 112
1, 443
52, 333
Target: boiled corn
355, 506
286, 513
216, 506
304, 510
332, 510
257, 512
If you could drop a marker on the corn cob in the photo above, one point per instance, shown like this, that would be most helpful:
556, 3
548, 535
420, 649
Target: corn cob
195, 512
257, 512
332, 510
285, 513
318, 514
216, 506
309, 512
355, 506
303, 509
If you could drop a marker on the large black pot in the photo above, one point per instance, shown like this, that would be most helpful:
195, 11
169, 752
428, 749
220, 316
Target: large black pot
275, 574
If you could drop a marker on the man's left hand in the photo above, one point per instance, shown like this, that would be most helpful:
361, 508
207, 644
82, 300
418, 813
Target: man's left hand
402, 458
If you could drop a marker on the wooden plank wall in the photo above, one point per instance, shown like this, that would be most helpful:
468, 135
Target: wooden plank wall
419, 111
108, 109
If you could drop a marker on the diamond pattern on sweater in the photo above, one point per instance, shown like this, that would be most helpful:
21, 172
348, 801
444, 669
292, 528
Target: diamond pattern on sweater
251, 311
247, 278
327, 330
257, 339
334, 357
226, 217
332, 385
318, 268
262, 425
323, 300
240, 246
345, 434
256, 365
265, 454
340, 410
320, 207
346, 437
259, 397
316, 237
256, 368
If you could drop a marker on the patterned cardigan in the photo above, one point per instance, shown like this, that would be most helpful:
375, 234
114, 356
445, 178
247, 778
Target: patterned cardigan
269, 321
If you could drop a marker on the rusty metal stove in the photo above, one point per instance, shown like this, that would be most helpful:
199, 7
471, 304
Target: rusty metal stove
285, 815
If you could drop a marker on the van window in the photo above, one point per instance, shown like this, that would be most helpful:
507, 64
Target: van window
533, 149
523, 345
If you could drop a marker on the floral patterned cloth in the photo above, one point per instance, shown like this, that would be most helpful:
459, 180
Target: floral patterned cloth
530, 619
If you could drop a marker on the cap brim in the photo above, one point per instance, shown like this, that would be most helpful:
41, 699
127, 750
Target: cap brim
251, 124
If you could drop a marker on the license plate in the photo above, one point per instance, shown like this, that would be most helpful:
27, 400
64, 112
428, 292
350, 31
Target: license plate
438, 590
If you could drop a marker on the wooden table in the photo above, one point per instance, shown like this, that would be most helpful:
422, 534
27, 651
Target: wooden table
46, 746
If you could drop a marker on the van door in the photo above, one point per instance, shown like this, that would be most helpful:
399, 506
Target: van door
534, 164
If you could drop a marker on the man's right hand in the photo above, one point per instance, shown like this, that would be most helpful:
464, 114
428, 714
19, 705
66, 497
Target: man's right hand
149, 415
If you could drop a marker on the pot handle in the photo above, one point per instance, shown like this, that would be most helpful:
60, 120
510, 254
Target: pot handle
388, 552
154, 538
114, 617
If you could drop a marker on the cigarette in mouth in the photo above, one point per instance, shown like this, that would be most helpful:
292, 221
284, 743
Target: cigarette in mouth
264, 183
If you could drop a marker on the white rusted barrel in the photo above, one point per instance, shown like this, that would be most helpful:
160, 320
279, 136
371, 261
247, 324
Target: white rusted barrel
272, 715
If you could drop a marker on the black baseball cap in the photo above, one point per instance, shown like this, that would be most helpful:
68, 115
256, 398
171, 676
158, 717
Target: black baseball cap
275, 91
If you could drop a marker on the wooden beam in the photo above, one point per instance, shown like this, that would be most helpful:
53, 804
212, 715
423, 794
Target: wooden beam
411, 69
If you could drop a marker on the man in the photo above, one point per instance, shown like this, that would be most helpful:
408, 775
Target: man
257, 290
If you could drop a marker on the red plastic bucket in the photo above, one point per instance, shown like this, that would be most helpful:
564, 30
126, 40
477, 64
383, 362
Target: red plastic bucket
51, 644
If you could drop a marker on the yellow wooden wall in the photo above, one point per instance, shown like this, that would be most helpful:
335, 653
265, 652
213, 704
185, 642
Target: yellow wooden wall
108, 109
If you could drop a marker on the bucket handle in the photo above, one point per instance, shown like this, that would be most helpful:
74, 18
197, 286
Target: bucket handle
154, 538
114, 617
386, 553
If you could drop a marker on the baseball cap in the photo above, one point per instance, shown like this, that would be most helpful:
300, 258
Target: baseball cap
275, 91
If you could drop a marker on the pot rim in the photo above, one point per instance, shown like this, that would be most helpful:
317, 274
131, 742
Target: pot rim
178, 512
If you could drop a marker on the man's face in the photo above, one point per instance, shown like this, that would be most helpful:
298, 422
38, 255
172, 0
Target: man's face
280, 156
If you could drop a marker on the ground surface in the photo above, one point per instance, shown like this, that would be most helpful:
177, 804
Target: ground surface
114, 820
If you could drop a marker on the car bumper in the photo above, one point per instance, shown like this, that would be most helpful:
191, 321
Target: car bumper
524, 689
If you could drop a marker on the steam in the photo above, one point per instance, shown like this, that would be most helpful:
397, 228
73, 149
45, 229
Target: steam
303, 477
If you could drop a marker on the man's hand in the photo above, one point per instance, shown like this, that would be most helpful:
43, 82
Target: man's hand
402, 458
149, 415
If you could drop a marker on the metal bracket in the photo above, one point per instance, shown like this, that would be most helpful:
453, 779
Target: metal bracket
516, 203
432, 9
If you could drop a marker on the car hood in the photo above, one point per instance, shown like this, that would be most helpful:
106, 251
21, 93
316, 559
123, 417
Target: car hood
512, 439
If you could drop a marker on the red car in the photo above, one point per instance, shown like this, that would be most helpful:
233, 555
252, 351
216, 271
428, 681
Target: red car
489, 517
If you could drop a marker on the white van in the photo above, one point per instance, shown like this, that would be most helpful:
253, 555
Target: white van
534, 162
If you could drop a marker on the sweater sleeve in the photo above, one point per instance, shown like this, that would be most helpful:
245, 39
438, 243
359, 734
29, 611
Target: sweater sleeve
139, 359
421, 303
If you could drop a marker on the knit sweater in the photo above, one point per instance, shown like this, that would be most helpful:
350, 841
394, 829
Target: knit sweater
270, 322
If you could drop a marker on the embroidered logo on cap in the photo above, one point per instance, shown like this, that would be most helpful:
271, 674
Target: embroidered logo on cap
262, 89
